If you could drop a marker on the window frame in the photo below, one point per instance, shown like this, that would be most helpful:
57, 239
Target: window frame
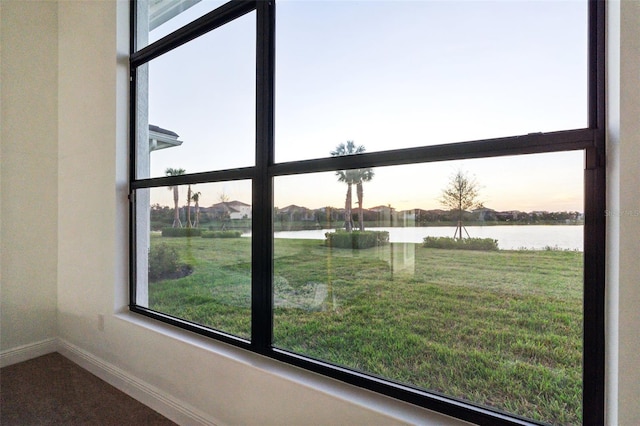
590, 140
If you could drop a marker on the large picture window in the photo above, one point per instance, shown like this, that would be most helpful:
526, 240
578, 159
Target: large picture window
405, 196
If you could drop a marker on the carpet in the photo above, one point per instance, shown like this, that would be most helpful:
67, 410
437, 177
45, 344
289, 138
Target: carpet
52, 390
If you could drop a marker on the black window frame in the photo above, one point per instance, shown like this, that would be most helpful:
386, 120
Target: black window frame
590, 140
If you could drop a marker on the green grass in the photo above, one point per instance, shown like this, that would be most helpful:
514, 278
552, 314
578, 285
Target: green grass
501, 329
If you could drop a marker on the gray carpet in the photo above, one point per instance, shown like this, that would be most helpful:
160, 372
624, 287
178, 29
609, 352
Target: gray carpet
51, 390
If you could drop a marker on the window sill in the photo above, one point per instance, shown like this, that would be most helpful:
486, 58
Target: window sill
390, 410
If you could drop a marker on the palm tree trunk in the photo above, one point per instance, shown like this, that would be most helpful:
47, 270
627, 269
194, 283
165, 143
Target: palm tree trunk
189, 225
176, 211
348, 220
360, 194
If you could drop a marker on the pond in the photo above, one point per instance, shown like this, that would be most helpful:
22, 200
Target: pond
510, 237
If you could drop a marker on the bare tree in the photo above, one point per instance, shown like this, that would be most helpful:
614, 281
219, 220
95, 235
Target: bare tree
460, 194
223, 197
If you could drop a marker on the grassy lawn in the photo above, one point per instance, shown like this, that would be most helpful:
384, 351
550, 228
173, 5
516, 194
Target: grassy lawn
501, 329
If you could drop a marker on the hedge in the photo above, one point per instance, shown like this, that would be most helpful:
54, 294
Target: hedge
356, 239
181, 232
486, 244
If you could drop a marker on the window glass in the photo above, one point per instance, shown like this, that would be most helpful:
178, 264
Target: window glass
199, 254
482, 304
398, 74
201, 103
158, 18
462, 278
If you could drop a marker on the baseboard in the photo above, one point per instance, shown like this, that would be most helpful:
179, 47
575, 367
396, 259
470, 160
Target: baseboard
27, 352
163, 403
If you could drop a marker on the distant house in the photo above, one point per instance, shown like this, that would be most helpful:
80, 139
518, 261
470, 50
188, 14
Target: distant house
433, 215
231, 209
511, 215
484, 213
297, 213
381, 209
384, 215
406, 218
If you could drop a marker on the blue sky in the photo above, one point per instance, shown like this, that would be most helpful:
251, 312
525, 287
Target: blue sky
386, 74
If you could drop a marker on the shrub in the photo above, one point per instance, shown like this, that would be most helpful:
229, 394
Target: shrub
461, 244
163, 261
356, 239
181, 232
221, 234
157, 226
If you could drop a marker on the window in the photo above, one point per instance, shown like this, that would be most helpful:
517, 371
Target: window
406, 196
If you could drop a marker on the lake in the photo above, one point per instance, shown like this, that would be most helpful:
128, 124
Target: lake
510, 237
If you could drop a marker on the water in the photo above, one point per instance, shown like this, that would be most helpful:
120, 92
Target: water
514, 237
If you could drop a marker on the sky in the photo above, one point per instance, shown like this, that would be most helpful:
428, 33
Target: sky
387, 75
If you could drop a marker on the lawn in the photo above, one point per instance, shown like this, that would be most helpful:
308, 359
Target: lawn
500, 329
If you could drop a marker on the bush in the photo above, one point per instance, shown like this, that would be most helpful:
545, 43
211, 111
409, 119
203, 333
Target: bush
163, 261
356, 239
157, 226
181, 232
221, 234
461, 244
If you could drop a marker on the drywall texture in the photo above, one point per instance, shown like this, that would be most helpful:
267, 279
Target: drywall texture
29, 172
624, 132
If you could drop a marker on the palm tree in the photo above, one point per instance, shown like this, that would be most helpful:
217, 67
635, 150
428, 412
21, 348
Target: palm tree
362, 175
351, 177
196, 199
189, 224
176, 212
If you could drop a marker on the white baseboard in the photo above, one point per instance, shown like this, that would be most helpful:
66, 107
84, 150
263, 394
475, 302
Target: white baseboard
163, 403
27, 352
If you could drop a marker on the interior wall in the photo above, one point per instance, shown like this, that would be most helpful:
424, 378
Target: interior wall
623, 290
29, 168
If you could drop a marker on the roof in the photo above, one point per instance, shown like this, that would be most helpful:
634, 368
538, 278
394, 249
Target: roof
159, 129
292, 207
229, 205
160, 138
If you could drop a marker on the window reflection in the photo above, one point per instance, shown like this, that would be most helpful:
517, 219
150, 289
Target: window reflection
464, 303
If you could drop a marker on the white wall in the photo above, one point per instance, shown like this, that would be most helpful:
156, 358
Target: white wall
623, 240
29, 169
64, 154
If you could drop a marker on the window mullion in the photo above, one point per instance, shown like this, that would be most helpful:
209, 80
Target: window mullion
262, 235
595, 227
191, 31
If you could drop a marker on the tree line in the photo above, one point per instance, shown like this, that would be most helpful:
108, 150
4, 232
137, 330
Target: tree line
460, 199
